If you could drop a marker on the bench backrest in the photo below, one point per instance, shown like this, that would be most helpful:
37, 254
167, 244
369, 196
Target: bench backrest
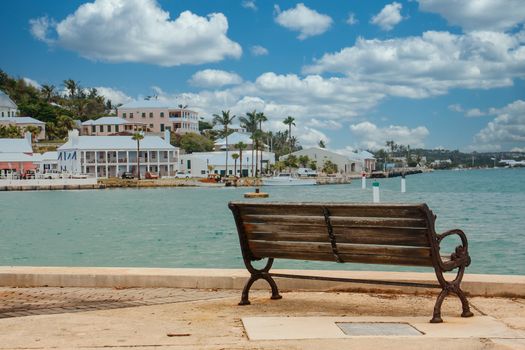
399, 234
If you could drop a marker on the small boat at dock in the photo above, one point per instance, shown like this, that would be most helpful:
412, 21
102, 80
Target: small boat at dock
286, 179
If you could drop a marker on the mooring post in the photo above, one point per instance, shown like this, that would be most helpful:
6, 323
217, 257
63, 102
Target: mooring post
375, 192
363, 181
403, 184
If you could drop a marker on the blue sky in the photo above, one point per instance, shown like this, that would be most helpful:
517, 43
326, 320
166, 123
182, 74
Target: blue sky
429, 73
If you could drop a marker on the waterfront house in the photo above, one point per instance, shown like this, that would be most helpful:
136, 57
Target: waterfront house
159, 116
353, 163
200, 164
16, 155
110, 125
46, 162
7, 107
110, 156
233, 139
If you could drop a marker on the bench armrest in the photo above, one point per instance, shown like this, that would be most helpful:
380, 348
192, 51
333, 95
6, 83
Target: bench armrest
461, 256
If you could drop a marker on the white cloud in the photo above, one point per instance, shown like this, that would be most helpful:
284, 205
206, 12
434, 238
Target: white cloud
351, 20
116, 96
474, 112
456, 108
249, 4
388, 17
370, 136
324, 124
32, 83
506, 131
494, 15
430, 64
258, 50
518, 149
139, 31
214, 78
304, 20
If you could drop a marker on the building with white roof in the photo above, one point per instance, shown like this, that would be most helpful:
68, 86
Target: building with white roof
110, 125
200, 164
46, 162
23, 122
7, 107
233, 139
110, 156
354, 163
159, 116
16, 155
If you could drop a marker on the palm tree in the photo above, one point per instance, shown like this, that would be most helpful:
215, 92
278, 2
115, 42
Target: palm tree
224, 119
48, 91
240, 146
235, 156
289, 121
261, 118
257, 138
250, 124
137, 137
72, 86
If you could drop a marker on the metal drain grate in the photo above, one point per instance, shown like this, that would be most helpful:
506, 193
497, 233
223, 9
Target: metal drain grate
378, 329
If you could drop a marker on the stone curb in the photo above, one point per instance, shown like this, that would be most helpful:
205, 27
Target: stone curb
110, 277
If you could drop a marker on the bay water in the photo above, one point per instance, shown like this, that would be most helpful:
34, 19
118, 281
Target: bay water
193, 227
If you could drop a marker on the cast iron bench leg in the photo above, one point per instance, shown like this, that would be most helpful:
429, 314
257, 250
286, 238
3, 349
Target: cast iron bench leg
254, 277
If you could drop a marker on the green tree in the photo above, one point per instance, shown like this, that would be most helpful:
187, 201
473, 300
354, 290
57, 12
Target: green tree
291, 162
138, 137
304, 160
192, 142
329, 167
34, 130
224, 119
10, 131
241, 146
290, 121
322, 144
235, 156
313, 165
250, 122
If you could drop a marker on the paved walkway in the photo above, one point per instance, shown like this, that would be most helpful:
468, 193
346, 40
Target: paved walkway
91, 318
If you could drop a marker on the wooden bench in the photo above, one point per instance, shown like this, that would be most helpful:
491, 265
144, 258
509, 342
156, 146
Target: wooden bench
389, 234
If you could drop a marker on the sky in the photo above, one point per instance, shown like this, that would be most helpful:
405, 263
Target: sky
425, 73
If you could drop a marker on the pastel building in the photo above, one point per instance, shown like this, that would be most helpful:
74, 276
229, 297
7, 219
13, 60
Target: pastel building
23, 122
159, 116
106, 126
352, 163
7, 107
16, 155
110, 156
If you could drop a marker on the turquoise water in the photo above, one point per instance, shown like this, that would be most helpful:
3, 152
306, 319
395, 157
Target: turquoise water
192, 227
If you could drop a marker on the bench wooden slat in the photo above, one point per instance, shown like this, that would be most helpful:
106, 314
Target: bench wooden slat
414, 237
315, 209
336, 221
260, 247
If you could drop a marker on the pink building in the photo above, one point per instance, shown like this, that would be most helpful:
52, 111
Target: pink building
107, 126
16, 155
159, 116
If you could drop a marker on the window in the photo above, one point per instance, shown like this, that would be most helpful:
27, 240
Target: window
93, 128
124, 115
131, 115
101, 128
151, 115
143, 115
203, 172
162, 114
151, 126
168, 128
188, 164
116, 128
109, 128
2, 114
161, 127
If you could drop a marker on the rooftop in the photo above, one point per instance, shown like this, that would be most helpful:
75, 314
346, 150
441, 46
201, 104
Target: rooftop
21, 120
115, 143
234, 138
15, 146
150, 104
6, 102
108, 121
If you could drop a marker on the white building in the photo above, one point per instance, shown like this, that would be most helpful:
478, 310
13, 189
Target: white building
23, 122
355, 163
233, 139
110, 156
7, 107
159, 116
46, 162
200, 164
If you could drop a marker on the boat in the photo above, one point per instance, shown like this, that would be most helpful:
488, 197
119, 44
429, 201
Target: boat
286, 179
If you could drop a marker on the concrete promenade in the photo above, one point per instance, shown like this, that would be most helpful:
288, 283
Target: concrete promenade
80, 308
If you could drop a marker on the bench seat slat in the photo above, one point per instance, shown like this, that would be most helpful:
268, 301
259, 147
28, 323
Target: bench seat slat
416, 237
312, 209
336, 221
263, 247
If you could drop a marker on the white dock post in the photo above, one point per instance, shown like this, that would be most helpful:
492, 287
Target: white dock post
403, 184
363, 181
375, 192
